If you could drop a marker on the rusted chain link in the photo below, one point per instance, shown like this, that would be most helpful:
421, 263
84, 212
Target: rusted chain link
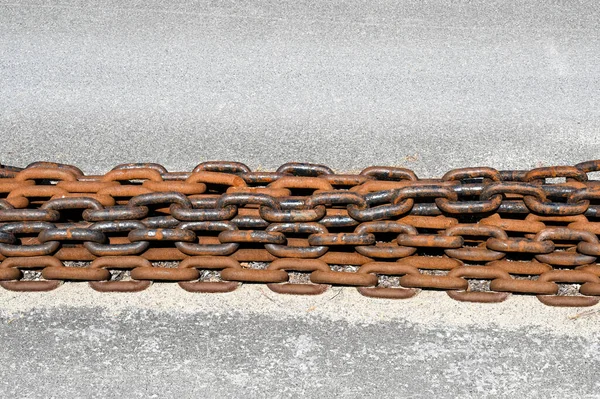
477, 233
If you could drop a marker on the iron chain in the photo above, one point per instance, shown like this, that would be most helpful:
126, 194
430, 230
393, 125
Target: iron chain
477, 233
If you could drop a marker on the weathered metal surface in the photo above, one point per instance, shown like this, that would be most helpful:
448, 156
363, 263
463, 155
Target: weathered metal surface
478, 233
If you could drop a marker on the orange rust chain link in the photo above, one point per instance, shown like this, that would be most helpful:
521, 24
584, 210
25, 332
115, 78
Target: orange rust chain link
478, 233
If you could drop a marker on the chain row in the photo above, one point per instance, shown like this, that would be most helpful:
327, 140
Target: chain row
577, 172
359, 204
558, 246
503, 277
377, 193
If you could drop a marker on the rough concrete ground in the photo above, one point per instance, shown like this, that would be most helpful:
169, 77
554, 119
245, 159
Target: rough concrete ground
430, 85
166, 342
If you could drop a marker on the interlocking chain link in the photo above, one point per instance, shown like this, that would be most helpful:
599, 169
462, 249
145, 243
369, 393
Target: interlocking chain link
477, 233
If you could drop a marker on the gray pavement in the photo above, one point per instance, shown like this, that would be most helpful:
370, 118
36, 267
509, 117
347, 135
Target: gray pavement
73, 353
430, 85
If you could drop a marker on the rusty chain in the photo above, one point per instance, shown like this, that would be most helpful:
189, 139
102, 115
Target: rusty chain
477, 233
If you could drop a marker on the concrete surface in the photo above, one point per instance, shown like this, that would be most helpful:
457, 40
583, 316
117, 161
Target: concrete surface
448, 83
430, 85
166, 342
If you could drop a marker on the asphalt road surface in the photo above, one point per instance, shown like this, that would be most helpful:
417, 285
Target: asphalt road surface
429, 85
